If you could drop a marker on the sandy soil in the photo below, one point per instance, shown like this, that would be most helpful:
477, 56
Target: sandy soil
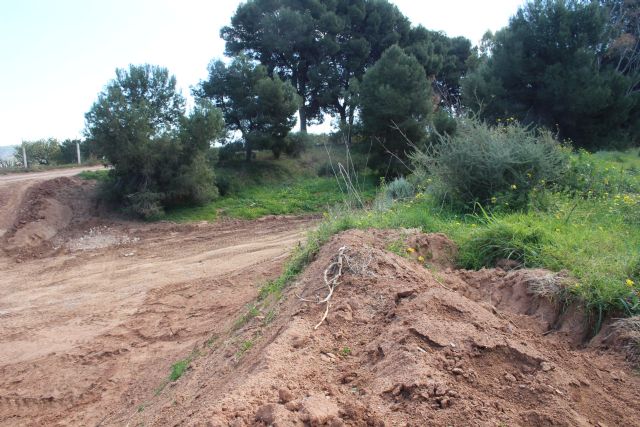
94, 312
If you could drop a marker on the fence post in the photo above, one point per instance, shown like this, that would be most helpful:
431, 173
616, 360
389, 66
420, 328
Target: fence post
24, 156
78, 151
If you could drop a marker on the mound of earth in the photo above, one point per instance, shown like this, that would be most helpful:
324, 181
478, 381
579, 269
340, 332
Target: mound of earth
402, 345
47, 210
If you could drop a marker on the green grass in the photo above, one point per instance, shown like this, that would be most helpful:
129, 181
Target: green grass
99, 175
179, 368
302, 196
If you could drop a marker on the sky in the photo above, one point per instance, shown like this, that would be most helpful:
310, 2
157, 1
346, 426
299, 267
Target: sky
56, 56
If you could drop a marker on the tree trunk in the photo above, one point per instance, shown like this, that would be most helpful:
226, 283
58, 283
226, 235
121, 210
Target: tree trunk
247, 146
303, 119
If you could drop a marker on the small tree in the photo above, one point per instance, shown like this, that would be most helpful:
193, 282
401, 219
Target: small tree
158, 154
397, 104
260, 107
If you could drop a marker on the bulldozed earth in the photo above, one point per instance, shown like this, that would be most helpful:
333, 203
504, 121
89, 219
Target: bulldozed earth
95, 312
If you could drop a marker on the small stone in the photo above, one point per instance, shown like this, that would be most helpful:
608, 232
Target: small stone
319, 410
546, 366
293, 406
324, 357
285, 395
266, 414
509, 377
445, 403
440, 391
457, 371
298, 341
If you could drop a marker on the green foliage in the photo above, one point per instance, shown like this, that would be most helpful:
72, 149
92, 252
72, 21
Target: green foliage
520, 242
101, 175
400, 189
158, 154
40, 152
603, 173
492, 166
304, 195
260, 107
178, 369
558, 65
324, 49
244, 347
395, 92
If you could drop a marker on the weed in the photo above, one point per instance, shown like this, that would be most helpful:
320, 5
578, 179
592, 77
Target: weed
244, 347
141, 408
270, 316
345, 351
179, 368
245, 318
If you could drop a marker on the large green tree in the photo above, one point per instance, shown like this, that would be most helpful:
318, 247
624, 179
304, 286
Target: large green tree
325, 47
260, 107
361, 31
549, 67
158, 154
397, 106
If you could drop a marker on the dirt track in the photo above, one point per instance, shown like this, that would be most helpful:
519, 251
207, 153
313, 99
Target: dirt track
94, 326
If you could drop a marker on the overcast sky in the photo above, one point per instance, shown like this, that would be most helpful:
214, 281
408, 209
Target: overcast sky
57, 55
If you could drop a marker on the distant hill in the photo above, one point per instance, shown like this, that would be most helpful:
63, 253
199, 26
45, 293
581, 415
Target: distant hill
6, 152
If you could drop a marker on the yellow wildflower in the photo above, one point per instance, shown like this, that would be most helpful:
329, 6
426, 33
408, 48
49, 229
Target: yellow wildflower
411, 250
421, 258
494, 199
629, 283
514, 187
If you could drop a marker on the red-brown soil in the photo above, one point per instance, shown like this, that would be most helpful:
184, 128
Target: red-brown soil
404, 345
93, 312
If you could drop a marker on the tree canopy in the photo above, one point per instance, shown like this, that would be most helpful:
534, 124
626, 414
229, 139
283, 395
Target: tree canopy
325, 47
397, 104
260, 107
555, 66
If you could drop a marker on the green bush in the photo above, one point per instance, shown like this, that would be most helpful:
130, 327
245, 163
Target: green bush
492, 166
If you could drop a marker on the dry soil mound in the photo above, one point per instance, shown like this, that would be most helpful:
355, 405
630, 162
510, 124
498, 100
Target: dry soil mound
48, 209
404, 345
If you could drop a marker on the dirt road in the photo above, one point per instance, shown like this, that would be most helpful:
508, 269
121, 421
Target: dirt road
50, 174
95, 328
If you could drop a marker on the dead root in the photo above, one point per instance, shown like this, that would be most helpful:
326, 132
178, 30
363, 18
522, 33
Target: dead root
354, 264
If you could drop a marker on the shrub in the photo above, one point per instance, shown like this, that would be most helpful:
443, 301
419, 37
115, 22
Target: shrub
491, 165
400, 189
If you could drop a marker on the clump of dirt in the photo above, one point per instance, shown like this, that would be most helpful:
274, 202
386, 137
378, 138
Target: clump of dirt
622, 335
49, 209
403, 345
